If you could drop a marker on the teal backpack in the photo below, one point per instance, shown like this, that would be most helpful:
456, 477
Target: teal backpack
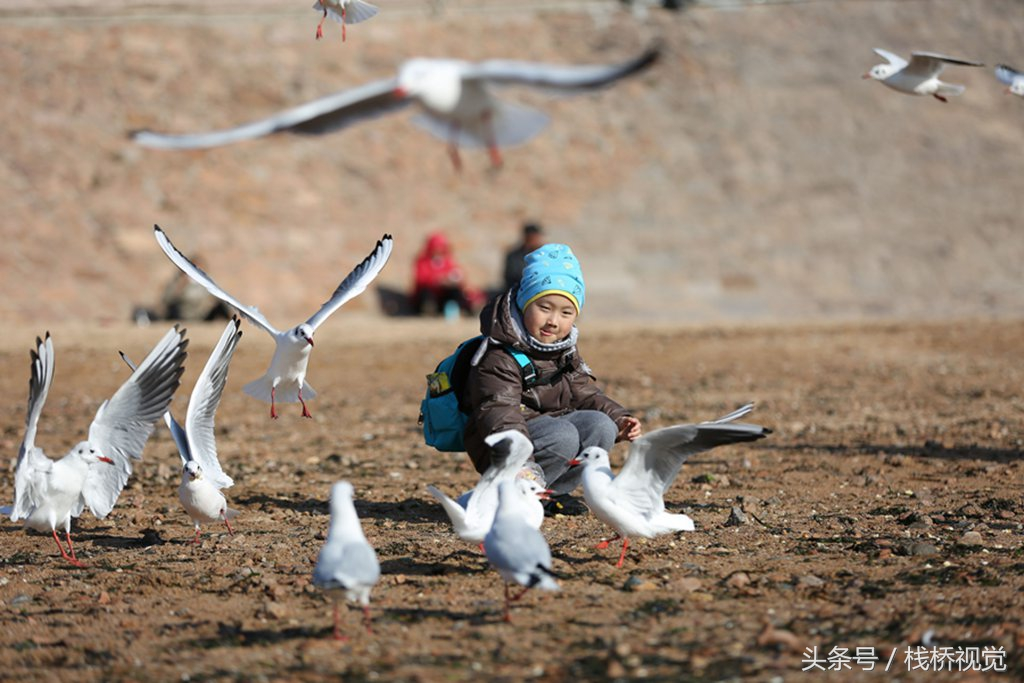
442, 413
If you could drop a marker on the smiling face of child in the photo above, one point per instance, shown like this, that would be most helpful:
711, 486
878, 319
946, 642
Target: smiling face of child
550, 318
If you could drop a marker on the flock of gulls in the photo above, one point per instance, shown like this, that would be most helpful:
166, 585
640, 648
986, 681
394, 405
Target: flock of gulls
503, 513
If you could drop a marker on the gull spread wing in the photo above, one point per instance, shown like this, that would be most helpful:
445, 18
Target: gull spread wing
32, 462
124, 422
655, 459
323, 115
1007, 74
356, 281
509, 452
566, 78
891, 57
250, 313
203, 404
928, 64
177, 431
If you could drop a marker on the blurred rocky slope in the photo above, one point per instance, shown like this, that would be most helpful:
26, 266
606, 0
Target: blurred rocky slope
751, 175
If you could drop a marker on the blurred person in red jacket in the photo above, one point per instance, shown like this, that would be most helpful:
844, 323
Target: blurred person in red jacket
440, 282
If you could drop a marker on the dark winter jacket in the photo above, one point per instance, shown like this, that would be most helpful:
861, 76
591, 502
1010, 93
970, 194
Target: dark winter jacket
495, 393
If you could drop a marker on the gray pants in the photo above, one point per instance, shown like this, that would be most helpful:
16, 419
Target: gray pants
557, 440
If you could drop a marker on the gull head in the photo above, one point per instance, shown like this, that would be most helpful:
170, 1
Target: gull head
193, 470
880, 72
1016, 88
437, 83
89, 454
594, 456
530, 487
303, 333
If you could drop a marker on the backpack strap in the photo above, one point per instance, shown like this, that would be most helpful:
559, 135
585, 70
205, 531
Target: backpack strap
526, 369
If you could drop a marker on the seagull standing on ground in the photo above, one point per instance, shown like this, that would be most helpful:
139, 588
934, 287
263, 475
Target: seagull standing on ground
919, 76
48, 493
1011, 78
456, 97
285, 379
343, 12
515, 549
632, 502
201, 475
347, 563
472, 515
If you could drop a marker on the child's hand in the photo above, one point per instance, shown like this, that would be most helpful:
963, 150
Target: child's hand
629, 429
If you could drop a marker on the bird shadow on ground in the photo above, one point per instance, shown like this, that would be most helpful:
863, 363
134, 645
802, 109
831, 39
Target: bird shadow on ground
408, 510
928, 450
277, 502
409, 615
440, 567
235, 635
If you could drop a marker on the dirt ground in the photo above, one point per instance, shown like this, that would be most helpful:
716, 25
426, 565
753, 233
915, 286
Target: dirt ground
884, 512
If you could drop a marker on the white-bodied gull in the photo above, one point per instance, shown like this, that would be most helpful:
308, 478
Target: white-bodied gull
1011, 78
632, 502
285, 379
455, 95
515, 549
347, 565
343, 12
202, 477
919, 76
48, 493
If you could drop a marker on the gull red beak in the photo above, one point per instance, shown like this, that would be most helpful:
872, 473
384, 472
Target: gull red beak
865, 76
574, 462
105, 459
545, 494
310, 340
400, 92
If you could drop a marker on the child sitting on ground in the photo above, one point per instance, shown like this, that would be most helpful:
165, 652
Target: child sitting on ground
563, 411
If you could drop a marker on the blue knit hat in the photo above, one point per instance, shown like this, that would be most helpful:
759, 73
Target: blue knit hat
551, 269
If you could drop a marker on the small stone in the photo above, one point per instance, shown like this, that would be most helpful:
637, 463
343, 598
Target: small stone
971, 538
736, 517
103, 599
810, 581
922, 548
635, 584
738, 580
689, 584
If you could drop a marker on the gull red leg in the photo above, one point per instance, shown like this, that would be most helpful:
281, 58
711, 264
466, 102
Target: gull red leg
343, 24
224, 516
273, 410
492, 146
625, 544
305, 410
320, 26
604, 543
366, 619
337, 624
508, 616
70, 558
195, 539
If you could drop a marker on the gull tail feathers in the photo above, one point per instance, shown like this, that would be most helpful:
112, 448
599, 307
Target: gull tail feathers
230, 513
358, 10
455, 512
950, 90
544, 578
511, 125
260, 389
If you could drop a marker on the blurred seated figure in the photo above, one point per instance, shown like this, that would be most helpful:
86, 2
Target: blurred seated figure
515, 258
184, 299
439, 282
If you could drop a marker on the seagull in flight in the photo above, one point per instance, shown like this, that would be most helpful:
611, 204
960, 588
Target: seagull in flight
456, 97
201, 475
919, 76
48, 493
472, 515
285, 379
347, 563
1011, 78
632, 502
517, 550
343, 12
